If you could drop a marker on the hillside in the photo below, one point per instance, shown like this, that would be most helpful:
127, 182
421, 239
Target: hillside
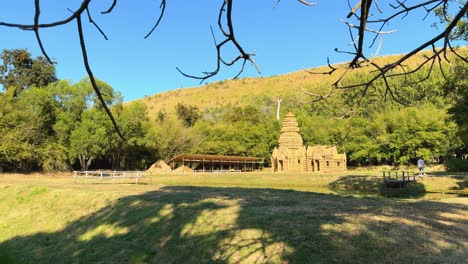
250, 91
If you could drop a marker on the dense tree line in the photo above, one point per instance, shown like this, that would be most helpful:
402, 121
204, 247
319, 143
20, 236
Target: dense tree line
60, 126
53, 125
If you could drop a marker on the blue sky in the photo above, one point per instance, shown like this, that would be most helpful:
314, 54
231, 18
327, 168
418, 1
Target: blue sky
286, 38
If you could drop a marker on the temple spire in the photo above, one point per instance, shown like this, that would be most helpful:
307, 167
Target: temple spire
290, 136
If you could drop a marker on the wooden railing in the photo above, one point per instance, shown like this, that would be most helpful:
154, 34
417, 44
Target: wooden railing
394, 179
102, 175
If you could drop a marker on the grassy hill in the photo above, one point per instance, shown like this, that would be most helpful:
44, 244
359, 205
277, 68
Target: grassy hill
250, 91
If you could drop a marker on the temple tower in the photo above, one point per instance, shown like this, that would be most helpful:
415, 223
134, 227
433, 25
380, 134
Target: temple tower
290, 155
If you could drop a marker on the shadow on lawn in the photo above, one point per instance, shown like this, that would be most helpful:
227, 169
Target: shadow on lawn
224, 225
372, 186
462, 182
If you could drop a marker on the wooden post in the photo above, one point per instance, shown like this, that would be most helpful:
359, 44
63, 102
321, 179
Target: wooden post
74, 176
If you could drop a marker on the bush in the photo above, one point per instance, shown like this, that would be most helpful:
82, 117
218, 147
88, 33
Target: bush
456, 165
409, 190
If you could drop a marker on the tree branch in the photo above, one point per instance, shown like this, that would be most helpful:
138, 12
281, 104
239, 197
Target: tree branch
92, 79
36, 30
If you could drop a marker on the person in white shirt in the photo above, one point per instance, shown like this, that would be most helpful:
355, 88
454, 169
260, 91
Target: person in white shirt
421, 167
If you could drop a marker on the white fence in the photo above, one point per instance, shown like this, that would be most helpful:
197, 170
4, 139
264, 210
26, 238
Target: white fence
102, 175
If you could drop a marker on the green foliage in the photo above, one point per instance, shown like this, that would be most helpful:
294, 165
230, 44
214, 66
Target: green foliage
457, 165
172, 138
237, 131
400, 136
189, 114
247, 113
19, 71
25, 127
457, 88
461, 29
138, 151
161, 116
90, 139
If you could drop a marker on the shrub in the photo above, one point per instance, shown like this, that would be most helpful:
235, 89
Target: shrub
456, 165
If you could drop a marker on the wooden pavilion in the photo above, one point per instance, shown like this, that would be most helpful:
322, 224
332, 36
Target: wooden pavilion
216, 163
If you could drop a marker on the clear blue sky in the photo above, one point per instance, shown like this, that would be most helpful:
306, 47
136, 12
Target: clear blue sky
286, 38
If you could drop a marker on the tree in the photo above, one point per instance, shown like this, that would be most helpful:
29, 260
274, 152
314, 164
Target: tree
171, 138
82, 128
25, 128
90, 139
366, 22
19, 71
457, 88
138, 151
188, 114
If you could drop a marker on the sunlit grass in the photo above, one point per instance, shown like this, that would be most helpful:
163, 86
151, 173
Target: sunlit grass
231, 218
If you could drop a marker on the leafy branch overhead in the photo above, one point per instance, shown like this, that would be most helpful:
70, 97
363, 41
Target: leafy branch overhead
370, 23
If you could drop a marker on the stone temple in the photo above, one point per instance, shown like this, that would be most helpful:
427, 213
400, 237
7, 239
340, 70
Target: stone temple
292, 156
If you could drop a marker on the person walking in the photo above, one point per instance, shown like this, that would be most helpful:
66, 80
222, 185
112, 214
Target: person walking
421, 167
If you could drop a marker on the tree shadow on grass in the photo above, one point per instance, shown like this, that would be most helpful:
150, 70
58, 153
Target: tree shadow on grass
230, 225
374, 186
462, 182
356, 184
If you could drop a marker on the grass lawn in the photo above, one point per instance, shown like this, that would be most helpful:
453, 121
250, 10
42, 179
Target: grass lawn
233, 218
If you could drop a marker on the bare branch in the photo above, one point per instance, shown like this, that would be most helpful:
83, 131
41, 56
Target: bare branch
36, 30
110, 8
365, 7
300, 1
405, 10
95, 25
92, 79
379, 32
74, 15
163, 8
353, 11
382, 71
319, 97
226, 8
307, 3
